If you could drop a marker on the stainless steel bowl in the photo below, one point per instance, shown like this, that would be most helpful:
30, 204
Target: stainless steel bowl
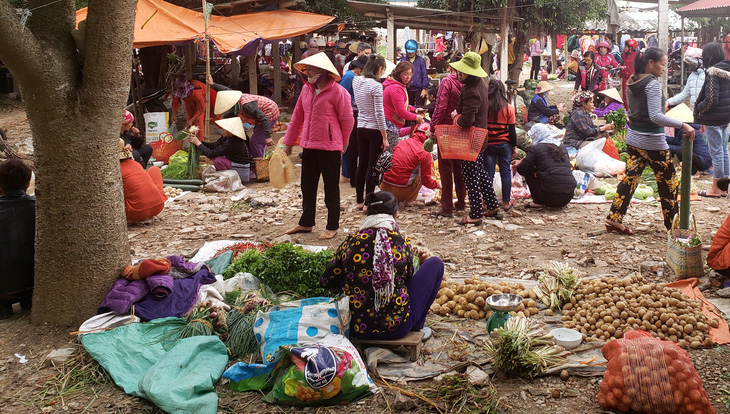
504, 302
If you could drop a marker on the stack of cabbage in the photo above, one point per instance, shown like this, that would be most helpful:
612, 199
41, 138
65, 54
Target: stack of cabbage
642, 192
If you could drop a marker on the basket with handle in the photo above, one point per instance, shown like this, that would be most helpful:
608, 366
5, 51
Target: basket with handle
457, 143
683, 259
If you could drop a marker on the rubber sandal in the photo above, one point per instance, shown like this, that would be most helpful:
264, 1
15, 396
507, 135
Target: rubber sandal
465, 220
494, 214
441, 213
611, 229
703, 193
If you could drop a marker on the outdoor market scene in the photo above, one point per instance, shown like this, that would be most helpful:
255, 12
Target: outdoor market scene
323, 206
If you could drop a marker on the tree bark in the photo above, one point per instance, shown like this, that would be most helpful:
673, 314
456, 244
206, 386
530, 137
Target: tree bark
520, 39
74, 113
553, 55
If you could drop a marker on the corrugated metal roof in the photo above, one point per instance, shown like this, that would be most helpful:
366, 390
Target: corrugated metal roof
705, 8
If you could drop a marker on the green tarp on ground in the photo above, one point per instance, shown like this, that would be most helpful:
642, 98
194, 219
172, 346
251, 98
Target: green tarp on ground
177, 376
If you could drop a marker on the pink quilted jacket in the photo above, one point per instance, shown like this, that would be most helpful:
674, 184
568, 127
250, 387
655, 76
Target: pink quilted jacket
324, 121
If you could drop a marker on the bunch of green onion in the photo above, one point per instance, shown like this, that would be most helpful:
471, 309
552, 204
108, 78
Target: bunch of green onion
557, 285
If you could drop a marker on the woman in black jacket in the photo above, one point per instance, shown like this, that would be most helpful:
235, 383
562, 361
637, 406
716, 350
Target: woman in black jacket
712, 109
588, 76
472, 111
547, 171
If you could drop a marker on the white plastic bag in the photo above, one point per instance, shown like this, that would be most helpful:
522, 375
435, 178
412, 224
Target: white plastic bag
221, 181
592, 159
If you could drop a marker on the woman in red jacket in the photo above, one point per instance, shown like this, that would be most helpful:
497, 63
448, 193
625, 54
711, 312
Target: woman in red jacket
412, 167
395, 102
627, 68
323, 117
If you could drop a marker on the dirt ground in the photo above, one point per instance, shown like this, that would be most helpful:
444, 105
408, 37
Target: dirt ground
514, 247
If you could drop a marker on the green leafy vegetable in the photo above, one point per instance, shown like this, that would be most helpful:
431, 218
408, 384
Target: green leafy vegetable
643, 192
619, 121
285, 268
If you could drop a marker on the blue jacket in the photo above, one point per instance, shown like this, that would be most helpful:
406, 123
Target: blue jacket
701, 159
691, 89
346, 82
420, 74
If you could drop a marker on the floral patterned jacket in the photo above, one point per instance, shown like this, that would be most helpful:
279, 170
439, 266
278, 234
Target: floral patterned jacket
350, 273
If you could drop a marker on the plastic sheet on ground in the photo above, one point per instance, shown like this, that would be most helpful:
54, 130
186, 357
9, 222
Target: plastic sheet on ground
177, 377
589, 198
209, 249
719, 335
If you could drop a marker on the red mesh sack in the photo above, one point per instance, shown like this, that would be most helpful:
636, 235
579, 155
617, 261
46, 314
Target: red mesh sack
647, 375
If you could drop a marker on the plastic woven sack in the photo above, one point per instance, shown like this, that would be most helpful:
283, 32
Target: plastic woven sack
281, 170
647, 375
300, 321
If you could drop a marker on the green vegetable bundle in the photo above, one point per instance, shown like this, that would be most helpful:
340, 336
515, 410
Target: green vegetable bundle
240, 319
556, 285
619, 121
523, 347
284, 268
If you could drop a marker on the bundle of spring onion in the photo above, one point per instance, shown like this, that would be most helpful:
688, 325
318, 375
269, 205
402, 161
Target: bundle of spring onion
203, 319
523, 347
241, 339
193, 156
557, 285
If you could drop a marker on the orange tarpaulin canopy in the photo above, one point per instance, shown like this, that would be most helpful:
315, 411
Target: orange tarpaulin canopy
160, 23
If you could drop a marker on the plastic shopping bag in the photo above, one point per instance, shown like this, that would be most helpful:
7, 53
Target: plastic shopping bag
281, 170
591, 158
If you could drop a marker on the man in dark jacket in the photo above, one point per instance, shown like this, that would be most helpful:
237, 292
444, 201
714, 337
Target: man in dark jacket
450, 170
17, 221
701, 159
472, 111
418, 88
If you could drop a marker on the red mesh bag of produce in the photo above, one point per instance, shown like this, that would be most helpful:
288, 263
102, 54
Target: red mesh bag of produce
647, 375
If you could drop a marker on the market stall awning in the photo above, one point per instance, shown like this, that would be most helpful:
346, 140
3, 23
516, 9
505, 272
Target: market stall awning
706, 8
430, 19
160, 23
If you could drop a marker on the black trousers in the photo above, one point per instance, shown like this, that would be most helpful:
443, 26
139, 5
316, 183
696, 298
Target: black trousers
414, 98
352, 152
369, 146
316, 163
535, 71
142, 155
545, 197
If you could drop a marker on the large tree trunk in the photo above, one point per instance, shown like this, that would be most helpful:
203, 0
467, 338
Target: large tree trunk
520, 39
75, 111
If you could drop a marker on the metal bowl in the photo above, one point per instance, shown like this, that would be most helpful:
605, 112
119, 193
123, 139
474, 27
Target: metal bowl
504, 301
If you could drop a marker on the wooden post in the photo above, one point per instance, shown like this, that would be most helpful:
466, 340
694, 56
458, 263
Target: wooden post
663, 35
503, 64
553, 55
207, 71
252, 77
235, 72
137, 95
392, 39
276, 72
189, 59
297, 50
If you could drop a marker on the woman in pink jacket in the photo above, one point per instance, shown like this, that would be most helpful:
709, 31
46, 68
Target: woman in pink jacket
395, 102
323, 117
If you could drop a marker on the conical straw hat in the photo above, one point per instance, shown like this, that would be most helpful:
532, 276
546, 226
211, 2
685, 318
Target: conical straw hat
233, 125
225, 100
389, 67
681, 113
613, 94
320, 60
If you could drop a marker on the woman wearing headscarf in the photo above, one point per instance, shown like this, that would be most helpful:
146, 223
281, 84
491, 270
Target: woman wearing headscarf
547, 171
391, 287
472, 112
192, 94
581, 128
134, 141
323, 118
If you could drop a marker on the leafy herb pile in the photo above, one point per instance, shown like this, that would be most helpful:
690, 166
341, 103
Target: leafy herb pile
458, 395
523, 347
284, 268
177, 166
241, 247
619, 121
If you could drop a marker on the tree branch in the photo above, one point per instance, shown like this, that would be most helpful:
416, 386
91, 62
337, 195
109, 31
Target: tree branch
20, 51
107, 63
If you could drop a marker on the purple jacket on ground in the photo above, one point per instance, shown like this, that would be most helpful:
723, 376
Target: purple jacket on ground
122, 295
181, 299
613, 106
160, 286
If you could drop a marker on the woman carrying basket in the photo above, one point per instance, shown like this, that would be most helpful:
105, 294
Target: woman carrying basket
472, 112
